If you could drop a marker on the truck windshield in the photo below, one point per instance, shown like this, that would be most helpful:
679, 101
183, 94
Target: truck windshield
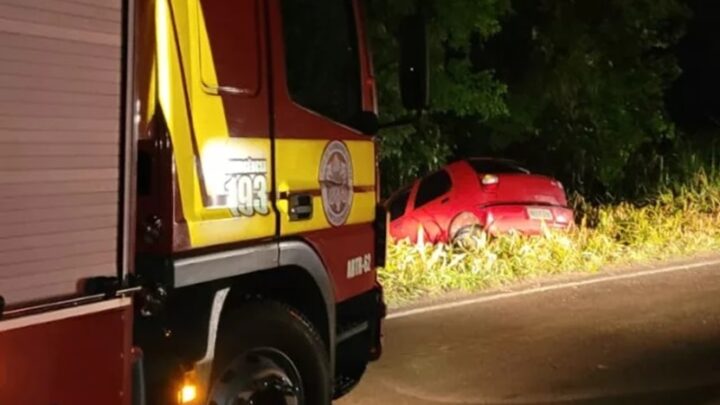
322, 57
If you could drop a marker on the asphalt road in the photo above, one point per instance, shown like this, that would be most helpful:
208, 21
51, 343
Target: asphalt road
647, 338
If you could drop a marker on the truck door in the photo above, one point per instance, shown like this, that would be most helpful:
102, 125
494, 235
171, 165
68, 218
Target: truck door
213, 91
324, 165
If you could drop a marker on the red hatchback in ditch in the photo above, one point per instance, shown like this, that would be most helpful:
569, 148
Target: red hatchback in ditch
493, 195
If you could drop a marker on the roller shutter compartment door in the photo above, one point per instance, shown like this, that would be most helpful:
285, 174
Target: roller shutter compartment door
60, 115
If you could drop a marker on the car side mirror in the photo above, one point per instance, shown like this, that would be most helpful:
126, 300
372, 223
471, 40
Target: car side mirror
414, 63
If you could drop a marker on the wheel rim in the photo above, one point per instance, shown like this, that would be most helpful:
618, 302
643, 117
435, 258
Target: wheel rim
259, 377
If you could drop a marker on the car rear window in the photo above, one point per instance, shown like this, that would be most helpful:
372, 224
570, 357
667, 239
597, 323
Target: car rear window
398, 204
489, 166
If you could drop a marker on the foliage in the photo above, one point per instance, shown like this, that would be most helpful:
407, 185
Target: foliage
575, 88
677, 222
458, 87
591, 91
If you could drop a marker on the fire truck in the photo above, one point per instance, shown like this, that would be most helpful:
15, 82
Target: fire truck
189, 200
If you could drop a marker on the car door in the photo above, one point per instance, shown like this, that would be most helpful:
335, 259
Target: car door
432, 205
400, 216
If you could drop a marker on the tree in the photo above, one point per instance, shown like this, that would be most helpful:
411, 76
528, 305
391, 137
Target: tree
586, 82
573, 87
458, 88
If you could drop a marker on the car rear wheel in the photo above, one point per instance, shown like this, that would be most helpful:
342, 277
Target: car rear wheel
469, 235
269, 354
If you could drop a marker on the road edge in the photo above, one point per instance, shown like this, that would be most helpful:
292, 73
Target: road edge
574, 280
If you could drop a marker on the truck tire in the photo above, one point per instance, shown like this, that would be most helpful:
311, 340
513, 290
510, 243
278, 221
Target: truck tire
268, 354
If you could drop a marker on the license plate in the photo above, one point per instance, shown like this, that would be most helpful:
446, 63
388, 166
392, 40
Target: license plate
540, 214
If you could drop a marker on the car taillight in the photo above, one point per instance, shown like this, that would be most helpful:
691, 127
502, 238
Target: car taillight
490, 180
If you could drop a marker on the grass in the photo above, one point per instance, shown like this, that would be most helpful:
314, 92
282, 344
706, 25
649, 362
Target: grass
678, 221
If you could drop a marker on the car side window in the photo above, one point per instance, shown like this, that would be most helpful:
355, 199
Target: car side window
433, 186
398, 205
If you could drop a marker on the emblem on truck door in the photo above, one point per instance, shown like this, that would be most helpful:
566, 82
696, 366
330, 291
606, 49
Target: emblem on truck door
336, 183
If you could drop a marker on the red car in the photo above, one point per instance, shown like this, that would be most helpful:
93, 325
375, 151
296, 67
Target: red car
493, 195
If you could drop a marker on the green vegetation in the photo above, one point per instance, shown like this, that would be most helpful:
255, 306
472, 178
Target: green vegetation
572, 88
578, 90
678, 222
459, 89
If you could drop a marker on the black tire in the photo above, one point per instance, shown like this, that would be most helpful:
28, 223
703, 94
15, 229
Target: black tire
467, 234
270, 325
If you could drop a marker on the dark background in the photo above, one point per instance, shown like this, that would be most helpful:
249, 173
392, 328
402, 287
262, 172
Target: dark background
616, 98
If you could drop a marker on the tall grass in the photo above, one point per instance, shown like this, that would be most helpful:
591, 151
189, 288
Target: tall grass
677, 221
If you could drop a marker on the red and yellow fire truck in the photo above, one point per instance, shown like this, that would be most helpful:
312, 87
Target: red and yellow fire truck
188, 201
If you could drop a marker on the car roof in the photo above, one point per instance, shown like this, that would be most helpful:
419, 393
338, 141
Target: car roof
509, 162
408, 187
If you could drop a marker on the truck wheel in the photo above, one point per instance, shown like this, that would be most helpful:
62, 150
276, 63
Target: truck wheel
269, 354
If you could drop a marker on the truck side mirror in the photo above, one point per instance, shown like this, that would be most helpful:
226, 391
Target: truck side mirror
368, 123
414, 61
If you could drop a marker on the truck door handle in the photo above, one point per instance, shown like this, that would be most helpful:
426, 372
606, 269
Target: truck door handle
301, 207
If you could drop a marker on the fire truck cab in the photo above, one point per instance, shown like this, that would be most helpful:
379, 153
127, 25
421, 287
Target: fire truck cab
188, 201
256, 214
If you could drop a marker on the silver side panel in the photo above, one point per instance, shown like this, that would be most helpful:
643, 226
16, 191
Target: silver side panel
61, 109
217, 266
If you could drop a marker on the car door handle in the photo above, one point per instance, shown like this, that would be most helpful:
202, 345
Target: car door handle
301, 206
445, 200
